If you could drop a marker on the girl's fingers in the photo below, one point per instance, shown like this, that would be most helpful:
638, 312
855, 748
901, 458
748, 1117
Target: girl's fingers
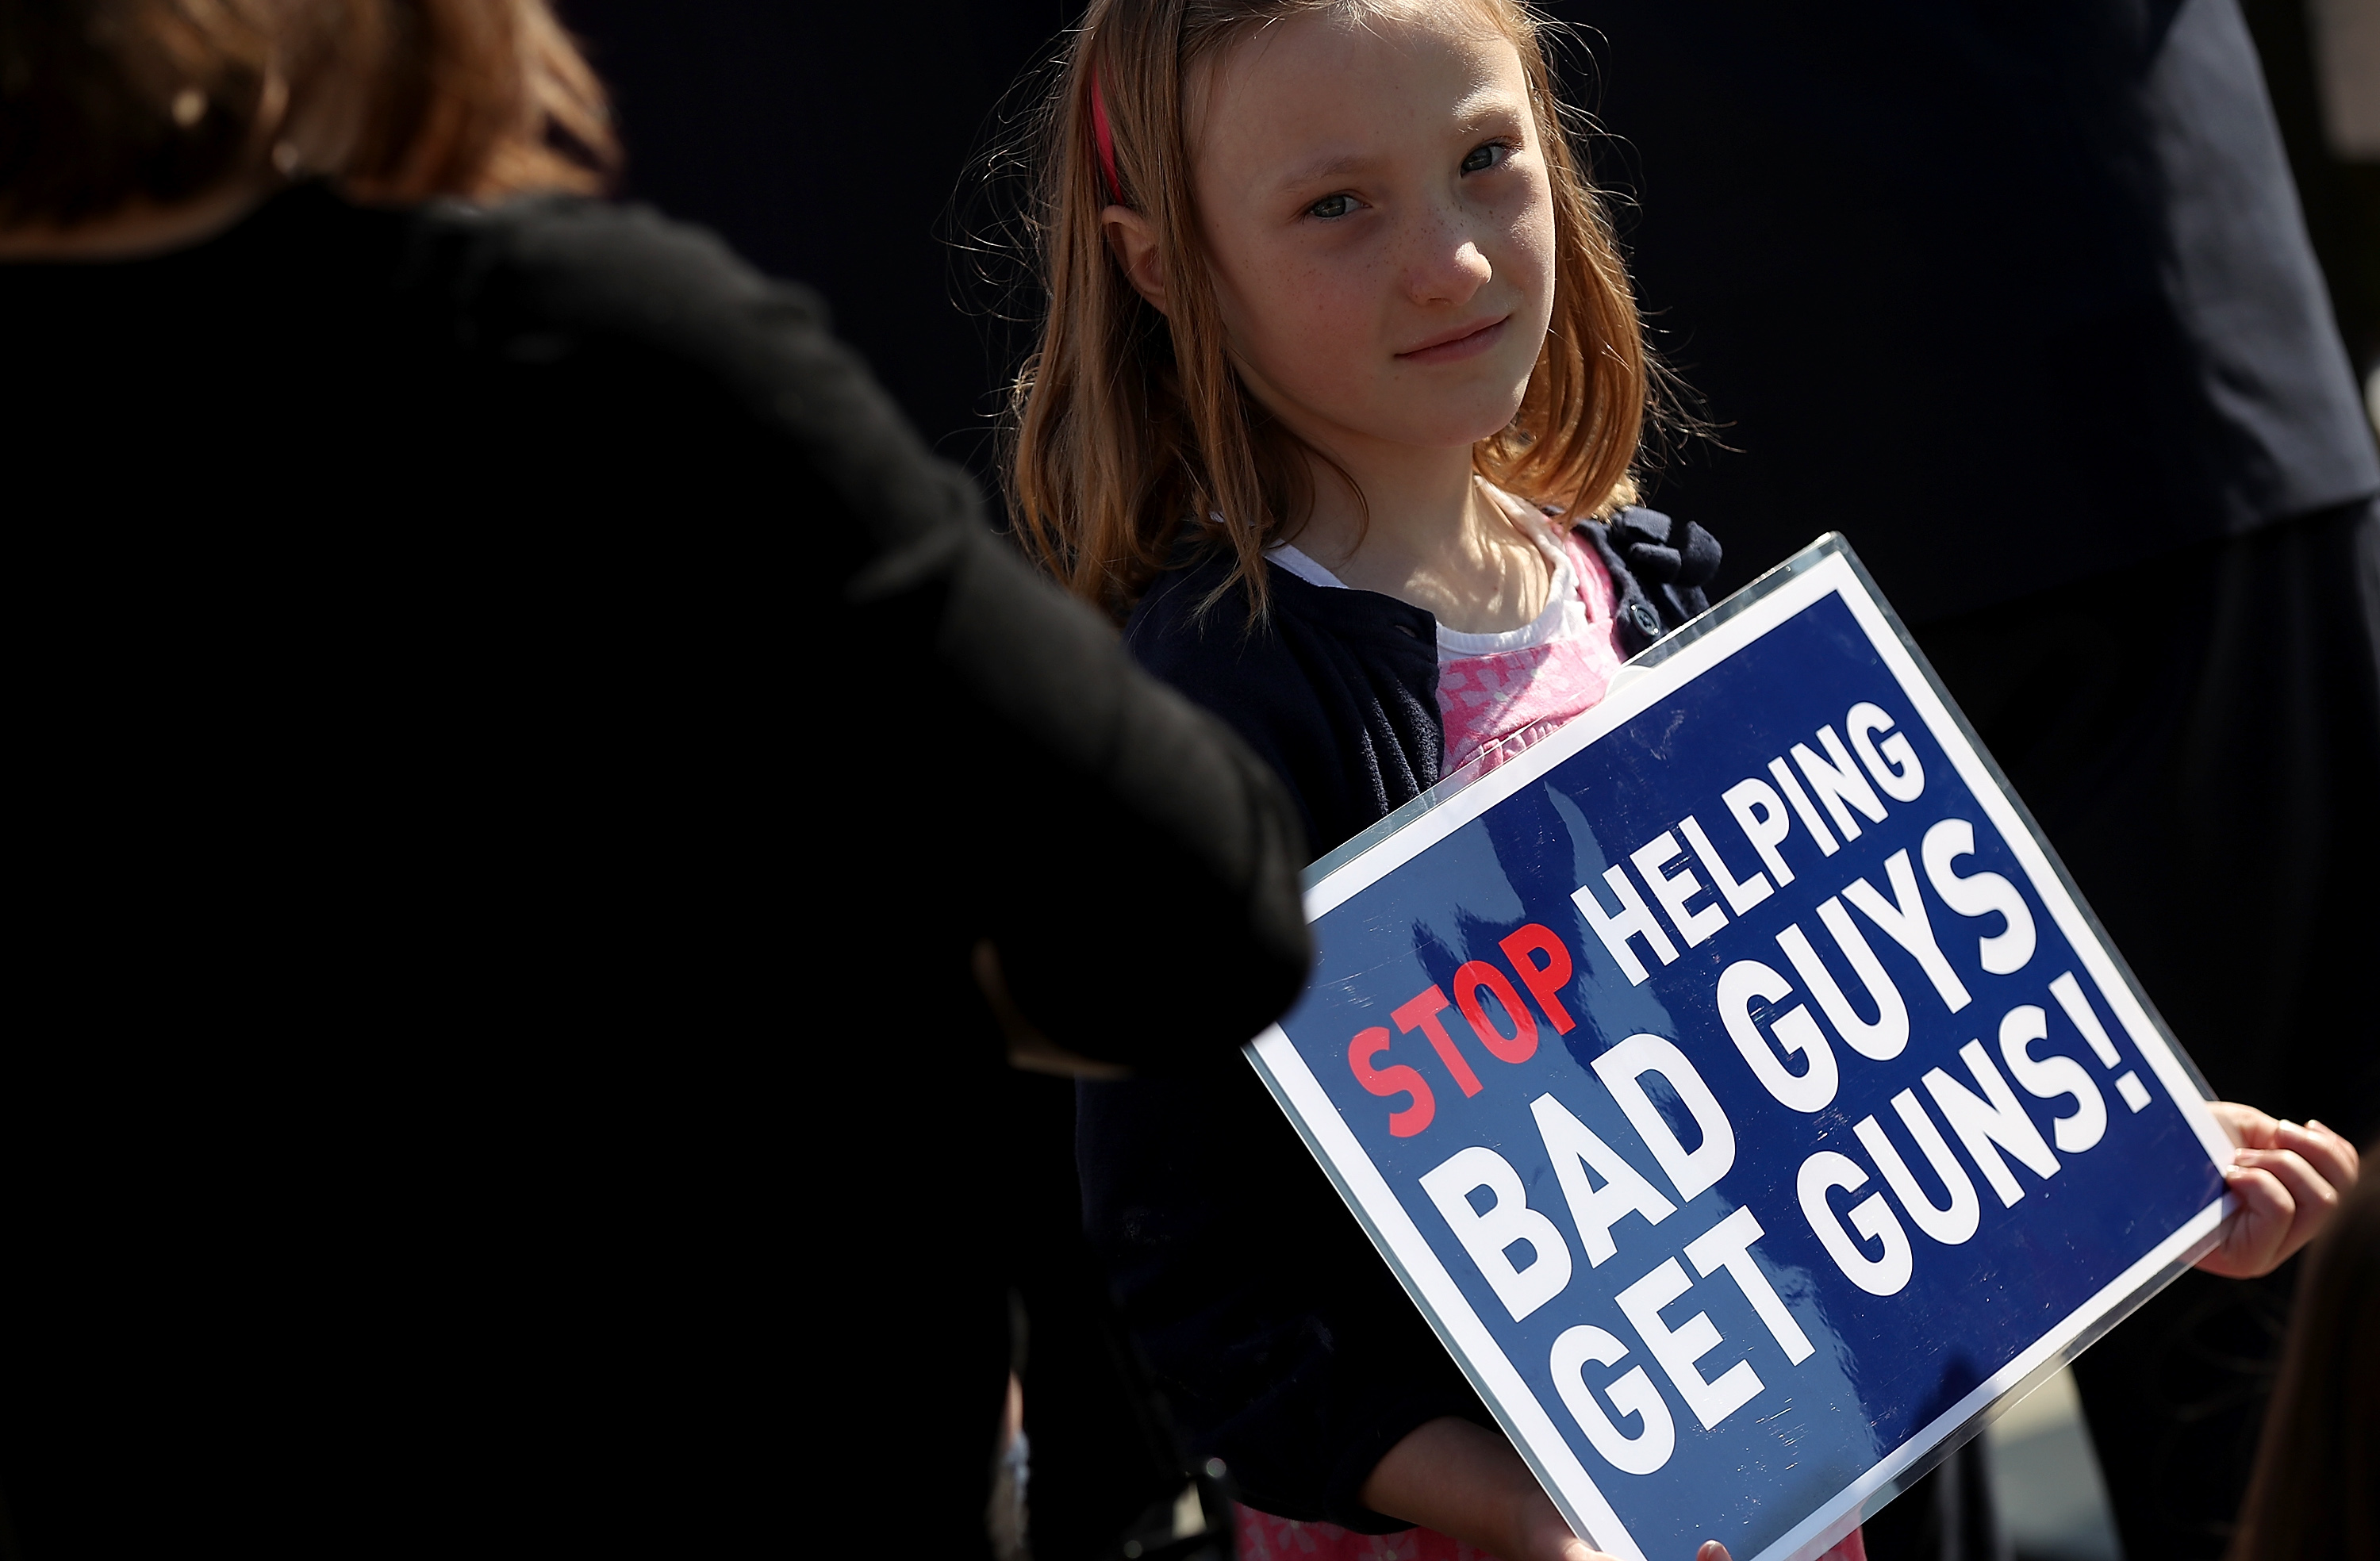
2311, 1194
2264, 1199
2287, 1177
2310, 1191
2253, 1238
2244, 1125
1711, 1551
2333, 1158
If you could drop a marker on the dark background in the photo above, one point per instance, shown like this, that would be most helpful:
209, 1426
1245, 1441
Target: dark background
826, 143
829, 144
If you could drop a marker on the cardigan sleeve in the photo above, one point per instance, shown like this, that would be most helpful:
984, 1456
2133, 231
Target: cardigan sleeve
1281, 1342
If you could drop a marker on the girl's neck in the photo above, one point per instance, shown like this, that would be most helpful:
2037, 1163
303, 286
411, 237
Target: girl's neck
1428, 533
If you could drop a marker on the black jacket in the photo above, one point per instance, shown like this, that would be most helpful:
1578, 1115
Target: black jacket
1282, 1341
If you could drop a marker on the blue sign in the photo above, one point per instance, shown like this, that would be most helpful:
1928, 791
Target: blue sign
1740, 1087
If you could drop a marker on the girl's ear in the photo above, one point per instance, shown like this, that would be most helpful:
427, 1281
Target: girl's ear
1133, 238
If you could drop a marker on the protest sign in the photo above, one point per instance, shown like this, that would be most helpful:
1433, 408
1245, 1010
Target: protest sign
1740, 1087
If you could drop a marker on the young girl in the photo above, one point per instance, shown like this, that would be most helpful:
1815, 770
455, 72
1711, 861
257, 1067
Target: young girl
1338, 398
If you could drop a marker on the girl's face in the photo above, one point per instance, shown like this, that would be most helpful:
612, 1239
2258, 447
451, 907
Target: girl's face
1379, 219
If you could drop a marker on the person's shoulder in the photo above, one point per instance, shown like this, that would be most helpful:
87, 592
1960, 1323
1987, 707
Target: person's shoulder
596, 251
625, 272
663, 328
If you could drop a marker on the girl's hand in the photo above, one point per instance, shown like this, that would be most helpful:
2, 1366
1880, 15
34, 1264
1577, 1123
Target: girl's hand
2289, 1178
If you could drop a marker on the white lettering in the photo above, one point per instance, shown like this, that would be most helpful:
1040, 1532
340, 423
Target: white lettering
1508, 1222
1747, 982
1632, 1394
1678, 1349
1838, 782
1691, 1171
1901, 779
1633, 919
1572, 1147
2007, 951
1761, 815
1906, 923
1882, 1039
1673, 892
1950, 1226
1728, 1245
2069, 993
1980, 1126
1872, 1218
1740, 897
1803, 807
2049, 1077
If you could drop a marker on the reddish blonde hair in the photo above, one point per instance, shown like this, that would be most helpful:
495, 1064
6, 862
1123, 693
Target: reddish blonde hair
103, 102
1128, 430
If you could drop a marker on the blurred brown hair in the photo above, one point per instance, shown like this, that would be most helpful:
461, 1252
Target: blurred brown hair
108, 102
2315, 1493
1127, 426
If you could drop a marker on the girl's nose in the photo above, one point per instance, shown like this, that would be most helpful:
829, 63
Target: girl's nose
1449, 271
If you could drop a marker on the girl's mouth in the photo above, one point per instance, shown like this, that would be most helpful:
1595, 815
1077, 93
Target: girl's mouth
1466, 340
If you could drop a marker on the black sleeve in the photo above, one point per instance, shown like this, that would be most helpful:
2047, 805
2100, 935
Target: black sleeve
1281, 1342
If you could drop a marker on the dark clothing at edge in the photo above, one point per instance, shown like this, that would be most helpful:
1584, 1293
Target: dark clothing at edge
1281, 1342
515, 743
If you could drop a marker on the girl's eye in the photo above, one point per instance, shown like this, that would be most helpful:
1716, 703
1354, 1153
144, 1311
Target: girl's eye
1331, 206
1487, 156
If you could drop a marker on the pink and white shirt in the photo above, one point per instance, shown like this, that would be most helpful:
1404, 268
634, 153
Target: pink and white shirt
1499, 693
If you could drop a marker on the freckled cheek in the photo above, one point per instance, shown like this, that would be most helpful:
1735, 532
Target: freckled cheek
1528, 245
1317, 328
1525, 243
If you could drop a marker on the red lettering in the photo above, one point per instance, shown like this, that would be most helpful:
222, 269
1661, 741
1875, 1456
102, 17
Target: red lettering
1391, 1080
1521, 1044
1421, 1013
1544, 981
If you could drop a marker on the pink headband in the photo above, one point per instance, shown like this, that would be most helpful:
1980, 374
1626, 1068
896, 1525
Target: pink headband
1106, 141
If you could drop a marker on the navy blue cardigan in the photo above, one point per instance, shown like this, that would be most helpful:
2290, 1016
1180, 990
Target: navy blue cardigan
1283, 1344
